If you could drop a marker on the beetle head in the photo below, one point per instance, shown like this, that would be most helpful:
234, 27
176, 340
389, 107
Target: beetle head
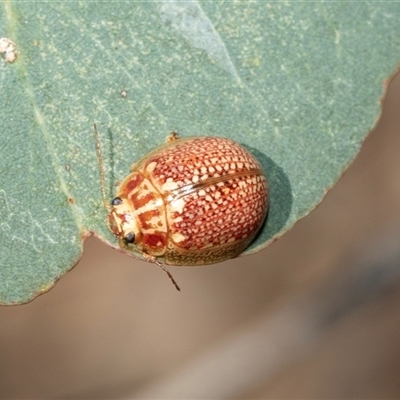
122, 221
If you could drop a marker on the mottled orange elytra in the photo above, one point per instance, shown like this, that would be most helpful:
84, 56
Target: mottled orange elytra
191, 201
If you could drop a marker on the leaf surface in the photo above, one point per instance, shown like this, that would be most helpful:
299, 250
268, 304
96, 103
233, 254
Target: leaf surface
298, 83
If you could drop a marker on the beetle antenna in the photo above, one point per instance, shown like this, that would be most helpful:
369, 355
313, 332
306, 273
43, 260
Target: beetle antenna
101, 167
169, 275
153, 260
106, 205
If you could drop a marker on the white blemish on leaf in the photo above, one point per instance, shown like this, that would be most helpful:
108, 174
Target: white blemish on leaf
21, 226
8, 48
188, 19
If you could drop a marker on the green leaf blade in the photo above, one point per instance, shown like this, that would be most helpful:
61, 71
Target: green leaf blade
299, 84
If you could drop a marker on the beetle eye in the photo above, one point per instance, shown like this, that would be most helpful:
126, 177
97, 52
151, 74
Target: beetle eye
129, 238
116, 201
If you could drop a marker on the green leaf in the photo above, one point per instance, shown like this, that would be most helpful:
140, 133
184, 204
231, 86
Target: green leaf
297, 83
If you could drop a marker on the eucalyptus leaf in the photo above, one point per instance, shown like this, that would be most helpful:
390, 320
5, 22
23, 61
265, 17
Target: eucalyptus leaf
298, 83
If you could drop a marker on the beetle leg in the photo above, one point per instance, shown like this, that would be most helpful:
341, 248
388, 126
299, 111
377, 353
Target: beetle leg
172, 136
122, 244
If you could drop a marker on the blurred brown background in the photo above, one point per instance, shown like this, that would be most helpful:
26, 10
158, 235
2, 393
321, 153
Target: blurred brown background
315, 315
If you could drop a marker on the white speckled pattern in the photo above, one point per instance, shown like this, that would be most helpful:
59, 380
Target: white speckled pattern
215, 197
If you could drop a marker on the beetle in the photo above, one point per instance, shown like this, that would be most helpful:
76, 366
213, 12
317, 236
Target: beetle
190, 201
